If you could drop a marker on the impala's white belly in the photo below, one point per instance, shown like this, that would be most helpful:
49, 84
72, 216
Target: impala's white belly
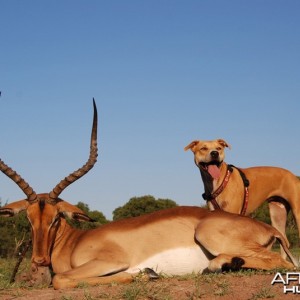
177, 261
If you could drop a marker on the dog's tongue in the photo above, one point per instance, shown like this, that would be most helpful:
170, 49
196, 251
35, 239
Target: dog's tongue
214, 171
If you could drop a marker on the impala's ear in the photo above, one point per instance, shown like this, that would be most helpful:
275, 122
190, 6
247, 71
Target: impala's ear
82, 217
191, 145
14, 208
73, 212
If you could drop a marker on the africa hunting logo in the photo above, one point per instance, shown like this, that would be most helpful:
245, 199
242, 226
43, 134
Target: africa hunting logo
287, 280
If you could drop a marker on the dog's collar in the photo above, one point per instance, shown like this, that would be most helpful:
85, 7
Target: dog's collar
212, 196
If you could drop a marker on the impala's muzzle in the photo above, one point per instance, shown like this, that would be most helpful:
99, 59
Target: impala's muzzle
41, 260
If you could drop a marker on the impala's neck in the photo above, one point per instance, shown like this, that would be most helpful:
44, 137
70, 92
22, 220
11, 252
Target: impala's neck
65, 241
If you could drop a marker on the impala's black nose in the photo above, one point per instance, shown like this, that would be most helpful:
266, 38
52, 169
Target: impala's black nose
214, 154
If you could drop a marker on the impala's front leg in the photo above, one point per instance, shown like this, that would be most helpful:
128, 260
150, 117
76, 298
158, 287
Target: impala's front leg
93, 272
61, 281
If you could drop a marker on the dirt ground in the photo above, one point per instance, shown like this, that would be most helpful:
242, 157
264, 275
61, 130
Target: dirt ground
228, 286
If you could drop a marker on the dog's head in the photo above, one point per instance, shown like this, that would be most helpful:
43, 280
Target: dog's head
209, 155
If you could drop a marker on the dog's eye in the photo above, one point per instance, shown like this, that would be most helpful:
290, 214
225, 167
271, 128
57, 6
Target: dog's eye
204, 149
219, 148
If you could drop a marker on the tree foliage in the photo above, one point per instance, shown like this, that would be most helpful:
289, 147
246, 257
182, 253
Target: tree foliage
137, 206
12, 231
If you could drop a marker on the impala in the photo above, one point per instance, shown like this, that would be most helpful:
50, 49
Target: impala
174, 241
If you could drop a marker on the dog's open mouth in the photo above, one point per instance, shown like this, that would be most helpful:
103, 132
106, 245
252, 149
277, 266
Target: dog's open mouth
213, 168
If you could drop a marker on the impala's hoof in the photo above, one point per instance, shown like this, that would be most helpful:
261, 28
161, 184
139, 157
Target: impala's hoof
151, 273
235, 265
208, 271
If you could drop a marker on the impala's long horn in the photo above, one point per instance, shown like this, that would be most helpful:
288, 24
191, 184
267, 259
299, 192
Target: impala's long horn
85, 168
15, 177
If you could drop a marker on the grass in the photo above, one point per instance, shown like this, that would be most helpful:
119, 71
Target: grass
263, 293
6, 270
190, 287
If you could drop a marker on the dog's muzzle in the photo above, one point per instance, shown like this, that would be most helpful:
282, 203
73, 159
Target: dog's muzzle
205, 166
214, 155
212, 167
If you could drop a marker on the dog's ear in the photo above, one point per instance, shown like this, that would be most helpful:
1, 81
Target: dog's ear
223, 143
191, 145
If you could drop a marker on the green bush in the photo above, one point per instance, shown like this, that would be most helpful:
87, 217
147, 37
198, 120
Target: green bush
137, 206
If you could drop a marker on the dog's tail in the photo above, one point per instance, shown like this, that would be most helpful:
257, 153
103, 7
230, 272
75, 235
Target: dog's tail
284, 243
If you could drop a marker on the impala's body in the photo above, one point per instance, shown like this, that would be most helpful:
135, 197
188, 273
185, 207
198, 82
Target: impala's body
175, 241
137, 243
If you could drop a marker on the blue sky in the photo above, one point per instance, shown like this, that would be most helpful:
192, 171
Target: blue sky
163, 73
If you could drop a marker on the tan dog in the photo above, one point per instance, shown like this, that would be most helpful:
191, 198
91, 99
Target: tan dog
226, 187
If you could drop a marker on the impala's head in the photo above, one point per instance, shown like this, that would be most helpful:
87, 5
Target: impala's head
45, 211
208, 155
